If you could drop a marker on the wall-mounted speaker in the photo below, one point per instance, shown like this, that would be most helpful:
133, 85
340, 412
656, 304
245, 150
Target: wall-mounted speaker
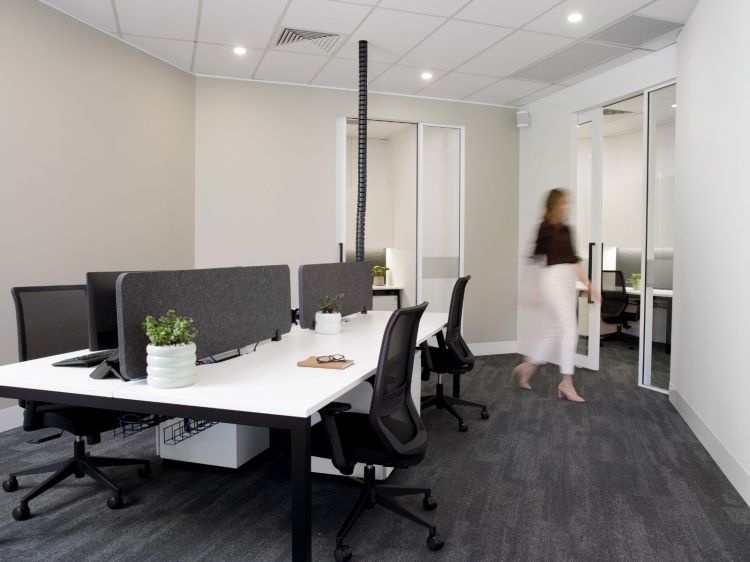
523, 119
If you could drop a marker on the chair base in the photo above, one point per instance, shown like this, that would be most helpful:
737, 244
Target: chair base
375, 494
620, 336
82, 464
440, 400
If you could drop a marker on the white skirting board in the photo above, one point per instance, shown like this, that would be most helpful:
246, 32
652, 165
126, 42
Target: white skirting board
729, 465
11, 418
493, 348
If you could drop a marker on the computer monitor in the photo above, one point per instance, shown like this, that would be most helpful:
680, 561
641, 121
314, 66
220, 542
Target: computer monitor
100, 290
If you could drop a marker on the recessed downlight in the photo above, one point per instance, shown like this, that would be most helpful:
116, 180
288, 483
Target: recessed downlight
575, 17
674, 106
240, 51
426, 76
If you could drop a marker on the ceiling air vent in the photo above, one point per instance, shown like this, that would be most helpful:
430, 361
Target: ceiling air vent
308, 41
635, 31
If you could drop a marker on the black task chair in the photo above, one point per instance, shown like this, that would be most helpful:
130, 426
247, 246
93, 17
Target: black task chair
453, 357
54, 320
614, 305
391, 435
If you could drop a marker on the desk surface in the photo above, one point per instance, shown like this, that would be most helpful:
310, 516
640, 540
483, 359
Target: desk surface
267, 381
387, 288
668, 293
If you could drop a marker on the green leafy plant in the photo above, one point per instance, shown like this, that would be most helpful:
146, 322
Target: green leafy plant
169, 329
634, 280
330, 304
379, 270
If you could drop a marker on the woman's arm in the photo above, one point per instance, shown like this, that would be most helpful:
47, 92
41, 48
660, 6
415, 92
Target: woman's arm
594, 295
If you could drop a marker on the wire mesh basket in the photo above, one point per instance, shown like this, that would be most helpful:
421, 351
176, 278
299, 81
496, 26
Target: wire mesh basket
183, 429
130, 424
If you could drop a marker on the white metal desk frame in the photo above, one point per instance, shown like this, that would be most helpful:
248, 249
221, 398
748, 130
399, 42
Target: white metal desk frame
255, 389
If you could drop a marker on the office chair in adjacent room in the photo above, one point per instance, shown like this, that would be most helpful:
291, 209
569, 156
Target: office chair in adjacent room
453, 357
53, 320
614, 305
391, 435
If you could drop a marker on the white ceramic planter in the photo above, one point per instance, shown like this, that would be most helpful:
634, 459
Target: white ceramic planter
170, 366
328, 323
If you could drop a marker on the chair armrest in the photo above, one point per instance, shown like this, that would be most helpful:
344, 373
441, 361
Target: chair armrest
441, 340
328, 413
427, 366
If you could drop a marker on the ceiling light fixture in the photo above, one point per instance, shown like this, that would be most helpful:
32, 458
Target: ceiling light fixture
674, 106
427, 76
575, 17
240, 51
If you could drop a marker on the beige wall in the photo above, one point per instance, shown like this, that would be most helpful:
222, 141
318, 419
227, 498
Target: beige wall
266, 184
96, 156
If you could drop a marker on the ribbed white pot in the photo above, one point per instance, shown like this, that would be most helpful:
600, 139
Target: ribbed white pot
170, 366
378, 280
328, 323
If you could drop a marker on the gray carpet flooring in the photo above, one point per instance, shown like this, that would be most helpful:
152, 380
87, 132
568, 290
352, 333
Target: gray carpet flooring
618, 478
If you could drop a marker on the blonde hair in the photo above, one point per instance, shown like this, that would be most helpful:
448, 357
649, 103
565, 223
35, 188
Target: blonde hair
554, 197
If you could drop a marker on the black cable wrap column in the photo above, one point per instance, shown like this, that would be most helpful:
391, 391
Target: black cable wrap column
362, 154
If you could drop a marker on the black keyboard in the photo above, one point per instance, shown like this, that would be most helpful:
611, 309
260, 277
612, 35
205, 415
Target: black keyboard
88, 360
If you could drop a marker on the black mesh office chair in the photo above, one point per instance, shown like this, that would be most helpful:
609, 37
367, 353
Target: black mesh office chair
391, 435
453, 357
614, 305
53, 320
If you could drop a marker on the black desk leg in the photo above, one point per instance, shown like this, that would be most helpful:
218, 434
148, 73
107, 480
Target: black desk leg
669, 326
398, 298
301, 489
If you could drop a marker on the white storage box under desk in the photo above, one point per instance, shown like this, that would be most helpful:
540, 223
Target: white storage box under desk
224, 444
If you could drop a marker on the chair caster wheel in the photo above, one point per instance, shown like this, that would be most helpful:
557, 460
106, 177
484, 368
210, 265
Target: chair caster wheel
485, 415
115, 502
463, 427
22, 512
429, 503
11, 484
144, 471
434, 542
342, 553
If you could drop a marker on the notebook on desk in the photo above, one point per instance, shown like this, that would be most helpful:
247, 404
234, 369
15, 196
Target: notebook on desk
314, 362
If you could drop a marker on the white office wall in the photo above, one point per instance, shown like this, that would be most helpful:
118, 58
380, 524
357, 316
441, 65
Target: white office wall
96, 156
546, 155
710, 382
266, 176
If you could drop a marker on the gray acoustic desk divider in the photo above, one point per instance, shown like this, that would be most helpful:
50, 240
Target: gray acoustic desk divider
231, 307
353, 279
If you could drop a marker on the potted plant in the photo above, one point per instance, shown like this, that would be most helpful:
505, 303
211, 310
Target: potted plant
170, 356
635, 281
378, 275
328, 318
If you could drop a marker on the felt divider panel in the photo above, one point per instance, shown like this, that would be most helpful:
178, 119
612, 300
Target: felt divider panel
231, 308
353, 279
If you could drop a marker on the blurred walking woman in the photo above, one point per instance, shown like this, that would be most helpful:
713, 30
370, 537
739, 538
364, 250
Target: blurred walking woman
557, 285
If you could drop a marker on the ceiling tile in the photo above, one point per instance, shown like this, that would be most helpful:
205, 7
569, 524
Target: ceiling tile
94, 12
513, 13
390, 34
505, 91
596, 15
675, 10
401, 80
457, 85
549, 90
168, 19
598, 69
515, 52
344, 73
366, 2
431, 7
570, 61
324, 15
250, 23
278, 66
219, 60
453, 44
179, 53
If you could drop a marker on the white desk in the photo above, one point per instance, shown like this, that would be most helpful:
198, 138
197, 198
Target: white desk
265, 388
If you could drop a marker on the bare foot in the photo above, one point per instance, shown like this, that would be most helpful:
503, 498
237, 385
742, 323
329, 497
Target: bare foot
525, 372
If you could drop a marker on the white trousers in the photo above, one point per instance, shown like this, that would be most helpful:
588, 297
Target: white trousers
557, 287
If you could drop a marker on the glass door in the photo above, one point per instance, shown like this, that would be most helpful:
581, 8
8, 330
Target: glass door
656, 284
440, 203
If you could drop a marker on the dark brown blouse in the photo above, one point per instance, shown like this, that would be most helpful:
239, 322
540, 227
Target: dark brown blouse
555, 243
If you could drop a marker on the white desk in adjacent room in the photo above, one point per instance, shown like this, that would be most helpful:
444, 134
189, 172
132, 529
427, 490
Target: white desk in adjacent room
261, 389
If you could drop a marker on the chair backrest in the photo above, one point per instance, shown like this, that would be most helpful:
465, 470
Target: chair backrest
50, 320
393, 416
453, 338
614, 295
